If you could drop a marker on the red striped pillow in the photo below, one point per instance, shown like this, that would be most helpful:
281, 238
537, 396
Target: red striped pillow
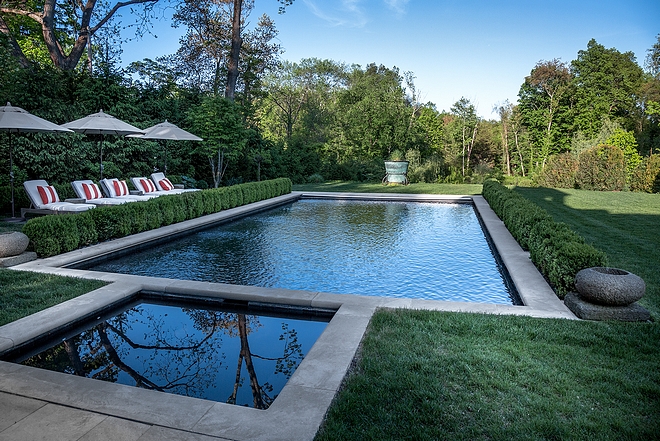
48, 194
165, 184
92, 191
147, 185
121, 189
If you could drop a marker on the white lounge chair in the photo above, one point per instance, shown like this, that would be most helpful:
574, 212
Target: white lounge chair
92, 194
45, 200
147, 187
116, 189
164, 184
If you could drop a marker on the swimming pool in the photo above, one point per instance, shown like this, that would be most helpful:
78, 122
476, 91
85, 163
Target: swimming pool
417, 250
210, 350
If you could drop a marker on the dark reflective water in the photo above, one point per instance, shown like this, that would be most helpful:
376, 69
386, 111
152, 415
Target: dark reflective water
216, 355
397, 249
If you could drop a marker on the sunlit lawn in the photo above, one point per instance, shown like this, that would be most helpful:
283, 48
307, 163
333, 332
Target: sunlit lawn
430, 375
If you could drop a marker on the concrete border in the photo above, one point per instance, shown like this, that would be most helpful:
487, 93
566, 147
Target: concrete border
301, 406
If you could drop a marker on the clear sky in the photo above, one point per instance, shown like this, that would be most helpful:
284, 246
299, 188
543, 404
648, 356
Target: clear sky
480, 50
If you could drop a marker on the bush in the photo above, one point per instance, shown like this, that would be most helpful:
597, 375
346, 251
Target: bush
646, 176
557, 251
601, 168
559, 172
55, 234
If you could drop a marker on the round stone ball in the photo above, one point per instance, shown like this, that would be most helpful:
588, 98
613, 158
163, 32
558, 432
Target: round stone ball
13, 244
609, 286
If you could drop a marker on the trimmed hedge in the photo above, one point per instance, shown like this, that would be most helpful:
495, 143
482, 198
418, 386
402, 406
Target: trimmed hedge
51, 235
557, 251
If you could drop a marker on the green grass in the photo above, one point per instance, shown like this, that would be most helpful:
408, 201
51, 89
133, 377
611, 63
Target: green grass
362, 187
625, 225
24, 293
431, 375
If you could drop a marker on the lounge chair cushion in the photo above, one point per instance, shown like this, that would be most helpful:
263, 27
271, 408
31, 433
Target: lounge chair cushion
120, 187
92, 191
147, 185
48, 194
165, 184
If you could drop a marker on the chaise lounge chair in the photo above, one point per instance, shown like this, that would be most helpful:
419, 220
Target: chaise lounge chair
116, 189
148, 188
164, 184
91, 193
45, 200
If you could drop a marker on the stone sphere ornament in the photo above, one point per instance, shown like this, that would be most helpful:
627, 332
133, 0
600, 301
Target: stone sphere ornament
609, 286
13, 244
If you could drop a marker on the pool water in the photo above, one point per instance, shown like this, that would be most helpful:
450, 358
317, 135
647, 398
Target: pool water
214, 354
416, 250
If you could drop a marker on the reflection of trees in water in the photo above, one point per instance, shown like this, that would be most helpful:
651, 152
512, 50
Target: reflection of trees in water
170, 357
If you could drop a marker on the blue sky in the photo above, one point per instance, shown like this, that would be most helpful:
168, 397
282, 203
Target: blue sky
480, 50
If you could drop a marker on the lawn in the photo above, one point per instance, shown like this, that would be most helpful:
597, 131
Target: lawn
361, 187
432, 375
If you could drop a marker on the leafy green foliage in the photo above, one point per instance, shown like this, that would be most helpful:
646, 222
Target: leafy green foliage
601, 168
54, 234
557, 252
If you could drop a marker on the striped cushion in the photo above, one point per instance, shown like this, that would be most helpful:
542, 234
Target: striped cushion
165, 184
147, 185
121, 189
92, 191
48, 194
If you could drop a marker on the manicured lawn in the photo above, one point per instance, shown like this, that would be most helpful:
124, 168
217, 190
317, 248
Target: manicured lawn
625, 225
431, 376
24, 293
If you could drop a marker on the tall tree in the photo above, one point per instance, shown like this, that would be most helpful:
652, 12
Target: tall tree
66, 27
607, 83
468, 124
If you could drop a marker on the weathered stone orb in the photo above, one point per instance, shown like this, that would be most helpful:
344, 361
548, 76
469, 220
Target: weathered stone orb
609, 286
13, 244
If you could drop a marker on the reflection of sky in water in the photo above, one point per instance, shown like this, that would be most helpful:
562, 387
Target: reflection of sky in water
398, 249
187, 351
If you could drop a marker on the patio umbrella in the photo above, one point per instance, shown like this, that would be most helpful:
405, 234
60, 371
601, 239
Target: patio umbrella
167, 131
102, 124
16, 120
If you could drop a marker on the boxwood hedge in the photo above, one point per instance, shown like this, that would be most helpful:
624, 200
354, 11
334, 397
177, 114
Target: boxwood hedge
557, 251
51, 235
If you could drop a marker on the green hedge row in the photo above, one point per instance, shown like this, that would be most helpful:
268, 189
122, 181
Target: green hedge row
557, 251
52, 235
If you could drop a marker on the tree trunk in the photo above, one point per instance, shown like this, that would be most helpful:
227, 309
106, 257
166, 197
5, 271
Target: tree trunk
234, 53
247, 357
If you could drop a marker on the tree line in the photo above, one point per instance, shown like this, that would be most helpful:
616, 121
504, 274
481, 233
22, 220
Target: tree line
317, 119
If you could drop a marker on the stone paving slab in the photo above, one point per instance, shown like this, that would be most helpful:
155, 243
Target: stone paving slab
81, 408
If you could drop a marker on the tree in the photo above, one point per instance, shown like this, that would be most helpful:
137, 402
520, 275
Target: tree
219, 122
236, 41
607, 83
468, 123
543, 105
64, 26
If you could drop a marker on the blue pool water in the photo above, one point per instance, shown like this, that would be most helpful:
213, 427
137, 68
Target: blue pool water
226, 356
396, 249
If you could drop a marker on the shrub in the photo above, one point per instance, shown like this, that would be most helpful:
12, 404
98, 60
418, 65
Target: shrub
316, 178
557, 251
559, 172
601, 168
51, 235
646, 176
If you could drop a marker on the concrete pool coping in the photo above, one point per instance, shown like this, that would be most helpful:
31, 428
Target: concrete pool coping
40, 404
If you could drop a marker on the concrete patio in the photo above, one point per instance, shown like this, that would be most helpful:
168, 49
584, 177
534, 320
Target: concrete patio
36, 404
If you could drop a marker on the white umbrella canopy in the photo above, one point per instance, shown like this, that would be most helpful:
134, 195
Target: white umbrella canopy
102, 124
167, 131
16, 120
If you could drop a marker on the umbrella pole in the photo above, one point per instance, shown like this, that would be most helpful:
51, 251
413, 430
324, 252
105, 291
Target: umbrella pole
11, 178
101, 147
